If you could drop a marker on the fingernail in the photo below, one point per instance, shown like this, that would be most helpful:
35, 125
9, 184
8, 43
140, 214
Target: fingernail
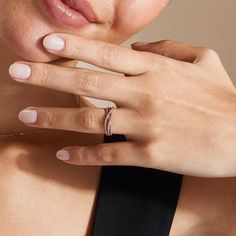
20, 71
53, 42
63, 155
28, 116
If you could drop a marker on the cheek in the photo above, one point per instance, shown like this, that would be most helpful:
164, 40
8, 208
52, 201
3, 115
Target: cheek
134, 15
22, 34
22, 28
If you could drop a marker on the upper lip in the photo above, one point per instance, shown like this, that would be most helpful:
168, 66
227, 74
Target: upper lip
83, 7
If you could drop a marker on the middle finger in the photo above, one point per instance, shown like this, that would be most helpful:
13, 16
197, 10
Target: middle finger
73, 80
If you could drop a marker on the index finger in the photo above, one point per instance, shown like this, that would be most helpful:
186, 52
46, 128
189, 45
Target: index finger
102, 54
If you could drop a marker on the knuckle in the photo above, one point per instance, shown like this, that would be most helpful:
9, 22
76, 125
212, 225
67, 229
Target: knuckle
88, 120
149, 152
153, 124
208, 53
166, 42
147, 98
106, 53
105, 155
81, 155
165, 45
87, 81
144, 100
151, 60
77, 43
46, 77
50, 119
157, 155
149, 125
74, 47
162, 65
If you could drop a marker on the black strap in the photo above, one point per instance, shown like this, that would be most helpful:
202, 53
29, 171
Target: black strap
135, 201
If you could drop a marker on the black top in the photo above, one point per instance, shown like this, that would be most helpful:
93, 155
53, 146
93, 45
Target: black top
135, 201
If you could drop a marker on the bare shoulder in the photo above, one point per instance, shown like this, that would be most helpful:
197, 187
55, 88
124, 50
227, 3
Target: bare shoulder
206, 207
42, 190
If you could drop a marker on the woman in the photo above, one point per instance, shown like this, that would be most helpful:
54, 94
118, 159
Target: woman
42, 196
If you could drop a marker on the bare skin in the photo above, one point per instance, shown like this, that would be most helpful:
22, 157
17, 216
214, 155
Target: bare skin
34, 185
39, 195
206, 207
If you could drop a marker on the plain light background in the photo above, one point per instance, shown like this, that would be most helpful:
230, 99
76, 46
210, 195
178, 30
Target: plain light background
208, 23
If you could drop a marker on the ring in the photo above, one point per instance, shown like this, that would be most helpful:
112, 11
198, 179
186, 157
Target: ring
107, 123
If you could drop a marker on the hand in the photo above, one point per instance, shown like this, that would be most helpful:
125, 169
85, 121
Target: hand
176, 104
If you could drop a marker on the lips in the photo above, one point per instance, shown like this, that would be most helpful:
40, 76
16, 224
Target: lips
75, 13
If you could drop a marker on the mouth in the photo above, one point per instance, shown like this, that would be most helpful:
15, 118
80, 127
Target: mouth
76, 13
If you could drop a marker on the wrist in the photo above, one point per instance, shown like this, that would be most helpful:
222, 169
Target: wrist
225, 137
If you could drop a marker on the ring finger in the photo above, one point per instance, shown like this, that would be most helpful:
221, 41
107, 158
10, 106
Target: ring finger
85, 119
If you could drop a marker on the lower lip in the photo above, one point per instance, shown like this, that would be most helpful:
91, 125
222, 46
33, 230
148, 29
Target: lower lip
65, 15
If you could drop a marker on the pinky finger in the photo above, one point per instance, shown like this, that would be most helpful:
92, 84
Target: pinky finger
118, 153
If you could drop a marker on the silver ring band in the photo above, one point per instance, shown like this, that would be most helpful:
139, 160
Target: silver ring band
107, 122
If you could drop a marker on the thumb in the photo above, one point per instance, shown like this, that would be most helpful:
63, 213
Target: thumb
178, 51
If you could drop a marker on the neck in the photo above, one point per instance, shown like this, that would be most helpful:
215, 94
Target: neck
16, 96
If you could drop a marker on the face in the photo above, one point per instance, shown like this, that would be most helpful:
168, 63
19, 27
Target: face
24, 23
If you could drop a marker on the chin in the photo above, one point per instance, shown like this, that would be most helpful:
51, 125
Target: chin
27, 44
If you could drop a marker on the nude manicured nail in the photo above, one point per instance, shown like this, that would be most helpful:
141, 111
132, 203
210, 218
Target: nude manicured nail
53, 43
28, 116
63, 155
20, 71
